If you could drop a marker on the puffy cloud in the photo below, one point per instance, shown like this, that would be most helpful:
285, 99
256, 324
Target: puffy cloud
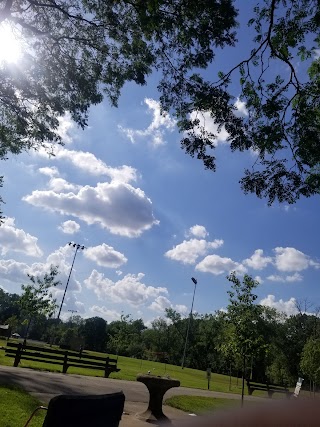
105, 256
105, 313
259, 279
161, 303
198, 231
69, 227
13, 271
218, 265
257, 261
17, 240
241, 109
189, 250
116, 206
66, 124
156, 130
88, 163
61, 185
207, 124
288, 307
129, 289
290, 259
49, 171
316, 53
296, 277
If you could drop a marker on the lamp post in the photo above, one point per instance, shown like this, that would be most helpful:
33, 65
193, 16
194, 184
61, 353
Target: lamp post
77, 247
188, 327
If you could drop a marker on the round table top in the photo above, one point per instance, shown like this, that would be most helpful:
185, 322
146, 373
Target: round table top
158, 380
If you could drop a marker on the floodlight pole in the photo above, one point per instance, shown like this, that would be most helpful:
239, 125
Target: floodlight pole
188, 327
77, 247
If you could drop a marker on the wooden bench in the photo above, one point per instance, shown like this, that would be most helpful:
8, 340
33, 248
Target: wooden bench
269, 388
66, 358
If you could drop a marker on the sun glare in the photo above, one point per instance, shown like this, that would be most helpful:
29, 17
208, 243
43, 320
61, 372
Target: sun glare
10, 47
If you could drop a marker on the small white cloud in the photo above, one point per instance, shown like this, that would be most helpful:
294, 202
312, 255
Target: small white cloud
296, 277
208, 126
69, 227
290, 259
241, 108
66, 124
198, 231
161, 123
119, 273
89, 163
259, 279
130, 289
105, 313
288, 307
316, 53
161, 303
218, 265
188, 251
14, 239
105, 256
49, 171
257, 261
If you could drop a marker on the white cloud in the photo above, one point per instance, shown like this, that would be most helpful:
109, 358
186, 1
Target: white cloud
198, 231
241, 108
105, 313
156, 130
288, 307
218, 265
257, 261
66, 124
116, 206
17, 240
61, 185
296, 277
208, 126
290, 259
89, 163
316, 53
188, 251
49, 171
69, 227
161, 303
259, 279
105, 256
129, 289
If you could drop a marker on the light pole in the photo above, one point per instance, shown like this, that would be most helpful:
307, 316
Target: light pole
77, 247
188, 327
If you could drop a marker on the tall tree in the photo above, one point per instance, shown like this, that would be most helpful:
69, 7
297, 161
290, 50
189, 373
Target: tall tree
36, 299
243, 315
76, 51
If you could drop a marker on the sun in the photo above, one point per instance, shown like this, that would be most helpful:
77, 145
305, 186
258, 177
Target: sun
10, 47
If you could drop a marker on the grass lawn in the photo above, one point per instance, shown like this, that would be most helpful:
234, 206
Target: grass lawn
200, 405
131, 367
16, 406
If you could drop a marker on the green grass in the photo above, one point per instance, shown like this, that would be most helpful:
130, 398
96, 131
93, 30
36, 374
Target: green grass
131, 367
200, 405
16, 406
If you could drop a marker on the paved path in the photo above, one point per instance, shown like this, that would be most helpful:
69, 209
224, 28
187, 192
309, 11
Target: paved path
45, 385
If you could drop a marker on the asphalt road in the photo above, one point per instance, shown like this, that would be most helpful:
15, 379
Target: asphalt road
45, 385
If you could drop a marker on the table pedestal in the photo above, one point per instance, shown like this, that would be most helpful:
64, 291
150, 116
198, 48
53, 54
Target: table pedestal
157, 387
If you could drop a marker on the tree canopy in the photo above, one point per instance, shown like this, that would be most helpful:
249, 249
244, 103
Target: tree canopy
75, 52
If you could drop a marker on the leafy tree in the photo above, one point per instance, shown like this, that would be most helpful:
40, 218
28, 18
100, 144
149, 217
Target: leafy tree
76, 51
36, 299
94, 332
310, 360
8, 305
243, 315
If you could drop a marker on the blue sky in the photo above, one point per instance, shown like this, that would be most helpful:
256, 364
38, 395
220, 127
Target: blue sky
151, 217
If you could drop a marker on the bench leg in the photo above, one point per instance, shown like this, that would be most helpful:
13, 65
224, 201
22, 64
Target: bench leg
65, 363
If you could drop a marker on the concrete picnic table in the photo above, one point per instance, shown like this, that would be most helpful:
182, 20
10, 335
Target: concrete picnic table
157, 387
